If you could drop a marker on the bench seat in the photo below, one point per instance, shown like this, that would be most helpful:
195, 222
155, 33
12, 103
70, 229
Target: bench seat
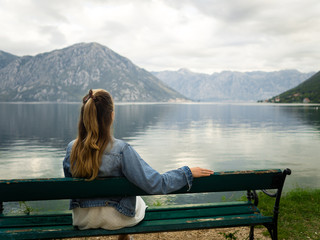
157, 219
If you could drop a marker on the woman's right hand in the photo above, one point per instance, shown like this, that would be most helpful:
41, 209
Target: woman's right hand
201, 172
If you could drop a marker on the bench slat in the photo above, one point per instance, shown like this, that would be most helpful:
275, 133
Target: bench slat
198, 205
143, 227
66, 188
37, 221
202, 212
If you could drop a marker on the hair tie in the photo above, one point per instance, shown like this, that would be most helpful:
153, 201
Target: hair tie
90, 95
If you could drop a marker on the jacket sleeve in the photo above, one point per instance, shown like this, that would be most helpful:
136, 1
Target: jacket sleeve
144, 176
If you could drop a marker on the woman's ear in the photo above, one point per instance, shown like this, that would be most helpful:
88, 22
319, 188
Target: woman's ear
112, 115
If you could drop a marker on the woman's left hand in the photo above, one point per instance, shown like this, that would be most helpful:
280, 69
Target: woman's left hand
201, 172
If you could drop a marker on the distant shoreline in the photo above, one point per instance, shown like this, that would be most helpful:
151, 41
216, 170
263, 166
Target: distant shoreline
186, 102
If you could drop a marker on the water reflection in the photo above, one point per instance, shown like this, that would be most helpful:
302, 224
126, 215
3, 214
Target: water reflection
309, 115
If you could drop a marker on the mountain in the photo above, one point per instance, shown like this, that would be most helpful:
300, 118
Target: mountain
231, 86
306, 92
6, 58
67, 75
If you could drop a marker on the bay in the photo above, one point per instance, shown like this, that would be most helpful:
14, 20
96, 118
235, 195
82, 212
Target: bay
219, 136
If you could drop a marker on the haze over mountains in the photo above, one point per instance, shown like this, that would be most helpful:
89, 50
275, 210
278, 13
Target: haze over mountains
67, 75
231, 86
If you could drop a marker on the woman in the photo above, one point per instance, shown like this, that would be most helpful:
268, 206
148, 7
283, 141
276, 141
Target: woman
95, 153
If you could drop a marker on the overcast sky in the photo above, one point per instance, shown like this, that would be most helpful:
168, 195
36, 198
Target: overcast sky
201, 35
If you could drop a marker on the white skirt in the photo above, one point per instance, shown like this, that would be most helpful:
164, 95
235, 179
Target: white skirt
107, 217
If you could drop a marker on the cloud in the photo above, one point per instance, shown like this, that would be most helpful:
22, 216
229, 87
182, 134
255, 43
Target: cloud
202, 35
54, 35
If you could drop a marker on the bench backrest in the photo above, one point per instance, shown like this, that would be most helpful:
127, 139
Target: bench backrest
66, 188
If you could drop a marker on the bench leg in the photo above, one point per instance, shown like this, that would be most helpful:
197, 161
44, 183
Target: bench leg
273, 232
274, 235
251, 235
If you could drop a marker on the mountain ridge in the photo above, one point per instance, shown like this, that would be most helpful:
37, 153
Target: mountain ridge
66, 75
231, 85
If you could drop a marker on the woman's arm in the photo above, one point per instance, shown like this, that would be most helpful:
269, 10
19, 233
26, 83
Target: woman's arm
141, 174
66, 161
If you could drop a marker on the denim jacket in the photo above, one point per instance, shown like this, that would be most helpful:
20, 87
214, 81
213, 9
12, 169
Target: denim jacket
123, 160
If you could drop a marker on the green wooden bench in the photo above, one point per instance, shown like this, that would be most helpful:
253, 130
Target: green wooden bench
157, 219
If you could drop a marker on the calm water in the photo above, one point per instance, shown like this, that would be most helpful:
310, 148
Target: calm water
217, 136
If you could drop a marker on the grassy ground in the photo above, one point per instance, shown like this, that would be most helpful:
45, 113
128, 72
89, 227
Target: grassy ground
299, 216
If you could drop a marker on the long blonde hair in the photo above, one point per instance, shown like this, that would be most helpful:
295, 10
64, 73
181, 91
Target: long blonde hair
94, 134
